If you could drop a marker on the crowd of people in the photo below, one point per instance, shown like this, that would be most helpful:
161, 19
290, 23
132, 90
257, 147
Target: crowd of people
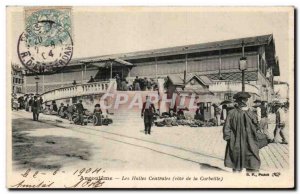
217, 115
245, 128
30, 103
139, 84
75, 113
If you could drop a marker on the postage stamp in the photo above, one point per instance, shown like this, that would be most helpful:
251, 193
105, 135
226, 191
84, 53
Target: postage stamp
46, 44
152, 97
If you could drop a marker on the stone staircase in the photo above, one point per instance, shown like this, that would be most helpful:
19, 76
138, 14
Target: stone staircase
125, 116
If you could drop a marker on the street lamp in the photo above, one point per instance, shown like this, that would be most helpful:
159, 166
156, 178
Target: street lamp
37, 84
243, 66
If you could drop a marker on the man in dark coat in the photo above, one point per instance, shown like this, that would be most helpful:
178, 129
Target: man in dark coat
54, 106
30, 104
242, 151
91, 80
80, 110
148, 111
36, 108
198, 114
118, 80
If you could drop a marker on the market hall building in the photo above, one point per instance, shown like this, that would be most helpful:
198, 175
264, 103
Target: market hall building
210, 70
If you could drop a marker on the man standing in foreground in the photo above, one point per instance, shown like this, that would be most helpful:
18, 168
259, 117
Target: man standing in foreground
36, 106
148, 111
240, 133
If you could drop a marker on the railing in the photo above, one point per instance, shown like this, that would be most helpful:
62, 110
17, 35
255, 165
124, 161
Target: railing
79, 90
223, 86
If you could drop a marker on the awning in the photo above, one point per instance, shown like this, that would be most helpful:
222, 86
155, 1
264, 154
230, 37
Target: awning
176, 79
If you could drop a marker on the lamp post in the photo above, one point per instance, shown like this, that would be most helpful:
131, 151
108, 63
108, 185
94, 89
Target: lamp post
37, 84
186, 65
111, 69
243, 66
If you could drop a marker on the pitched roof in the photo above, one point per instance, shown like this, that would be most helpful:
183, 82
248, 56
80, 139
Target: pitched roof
178, 79
192, 48
204, 79
106, 59
124, 58
267, 40
201, 47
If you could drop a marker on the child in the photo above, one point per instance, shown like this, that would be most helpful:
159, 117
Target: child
97, 109
97, 115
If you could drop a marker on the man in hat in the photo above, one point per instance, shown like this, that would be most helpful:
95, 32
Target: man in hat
80, 111
54, 106
136, 84
62, 110
36, 108
280, 124
118, 80
30, 101
148, 111
239, 131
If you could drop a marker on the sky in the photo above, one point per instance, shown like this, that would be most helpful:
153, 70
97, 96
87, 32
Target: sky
99, 31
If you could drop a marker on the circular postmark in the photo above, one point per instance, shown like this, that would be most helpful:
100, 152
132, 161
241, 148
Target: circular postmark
46, 45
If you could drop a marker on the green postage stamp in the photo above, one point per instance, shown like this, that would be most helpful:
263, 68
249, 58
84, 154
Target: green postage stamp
46, 44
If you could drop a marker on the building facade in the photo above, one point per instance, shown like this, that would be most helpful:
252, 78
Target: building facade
281, 90
17, 79
211, 69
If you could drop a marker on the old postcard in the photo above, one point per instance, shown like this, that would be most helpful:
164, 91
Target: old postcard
150, 97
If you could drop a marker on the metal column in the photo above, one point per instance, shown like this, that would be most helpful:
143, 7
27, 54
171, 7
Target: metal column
155, 68
186, 63
84, 71
81, 74
111, 64
43, 83
220, 64
243, 71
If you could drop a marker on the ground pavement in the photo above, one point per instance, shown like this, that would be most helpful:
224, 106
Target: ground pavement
202, 145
